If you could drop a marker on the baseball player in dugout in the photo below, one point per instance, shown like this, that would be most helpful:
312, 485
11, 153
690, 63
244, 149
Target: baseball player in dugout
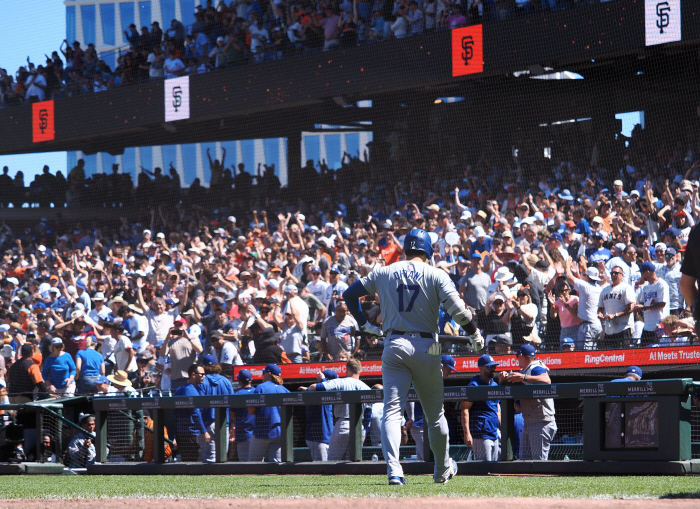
411, 292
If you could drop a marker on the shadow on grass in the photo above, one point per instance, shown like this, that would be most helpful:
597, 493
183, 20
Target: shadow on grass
681, 495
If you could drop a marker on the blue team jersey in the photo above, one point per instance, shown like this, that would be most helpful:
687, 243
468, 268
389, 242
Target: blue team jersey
245, 423
267, 419
483, 415
319, 423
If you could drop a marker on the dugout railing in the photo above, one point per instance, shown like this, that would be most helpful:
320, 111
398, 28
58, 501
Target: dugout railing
659, 420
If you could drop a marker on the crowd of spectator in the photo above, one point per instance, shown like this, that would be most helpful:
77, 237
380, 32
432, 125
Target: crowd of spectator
235, 33
578, 259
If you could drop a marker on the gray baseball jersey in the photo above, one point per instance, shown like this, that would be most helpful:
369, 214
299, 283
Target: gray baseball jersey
410, 295
344, 384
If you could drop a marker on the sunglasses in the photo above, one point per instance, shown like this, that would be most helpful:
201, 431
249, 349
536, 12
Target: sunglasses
616, 273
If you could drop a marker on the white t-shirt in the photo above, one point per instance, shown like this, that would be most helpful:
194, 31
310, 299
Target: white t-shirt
165, 384
319, 290
159, 325
399, 27
615, 300
302, 308
121, 353
257, 38
137, 324
107, 345
672, 276
653, 294
588, 300
156, 69
33, 90
172, 65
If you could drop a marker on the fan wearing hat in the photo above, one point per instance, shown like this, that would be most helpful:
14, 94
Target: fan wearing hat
100, 311
24, 376
120, 382
183, 350
475, 283
81, 449
490, 319
482, 419
670, 272
653, 302
242, 420
266, 444
540, 424
589, 298
520, 315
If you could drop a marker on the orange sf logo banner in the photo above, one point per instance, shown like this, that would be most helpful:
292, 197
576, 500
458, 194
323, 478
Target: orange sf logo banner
42, 121
467, 50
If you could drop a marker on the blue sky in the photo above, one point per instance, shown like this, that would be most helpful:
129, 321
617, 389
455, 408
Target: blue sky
31, 28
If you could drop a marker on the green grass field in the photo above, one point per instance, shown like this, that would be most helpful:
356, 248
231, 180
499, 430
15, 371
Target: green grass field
119, 486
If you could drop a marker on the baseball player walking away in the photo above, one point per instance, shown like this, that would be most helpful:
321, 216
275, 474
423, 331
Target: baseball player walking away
411, 293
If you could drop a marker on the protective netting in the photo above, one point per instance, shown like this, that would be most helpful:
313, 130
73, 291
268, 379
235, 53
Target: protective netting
535, 189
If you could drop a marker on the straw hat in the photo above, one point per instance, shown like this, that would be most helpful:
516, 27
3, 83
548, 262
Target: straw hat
120, 378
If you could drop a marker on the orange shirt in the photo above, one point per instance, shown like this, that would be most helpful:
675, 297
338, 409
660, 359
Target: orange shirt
390, 253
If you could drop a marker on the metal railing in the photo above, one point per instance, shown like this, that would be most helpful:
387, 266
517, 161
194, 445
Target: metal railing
672, 396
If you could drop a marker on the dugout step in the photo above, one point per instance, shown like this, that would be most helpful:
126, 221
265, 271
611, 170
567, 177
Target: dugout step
31, 469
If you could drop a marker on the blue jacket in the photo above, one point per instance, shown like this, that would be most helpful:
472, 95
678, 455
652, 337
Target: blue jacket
215, 385
267, 418
189, 420
483, 415
319, 423
245, 423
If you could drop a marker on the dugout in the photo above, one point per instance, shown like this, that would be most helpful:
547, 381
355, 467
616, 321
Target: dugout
671, 453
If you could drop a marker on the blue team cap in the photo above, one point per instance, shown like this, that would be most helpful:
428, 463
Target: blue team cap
567, 341
273, 369
80, 284
636, 370
556, 236
640, 233
244, 375
486, 360
339, 213
329, 374
527, 350
39, 305
208, 360
670, 252
449, 361
669, 232
102, 380
476, 255
316, 269
647, 266
597, 234
362, 242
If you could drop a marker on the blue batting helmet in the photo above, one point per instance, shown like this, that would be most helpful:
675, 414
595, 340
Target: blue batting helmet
418, 240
